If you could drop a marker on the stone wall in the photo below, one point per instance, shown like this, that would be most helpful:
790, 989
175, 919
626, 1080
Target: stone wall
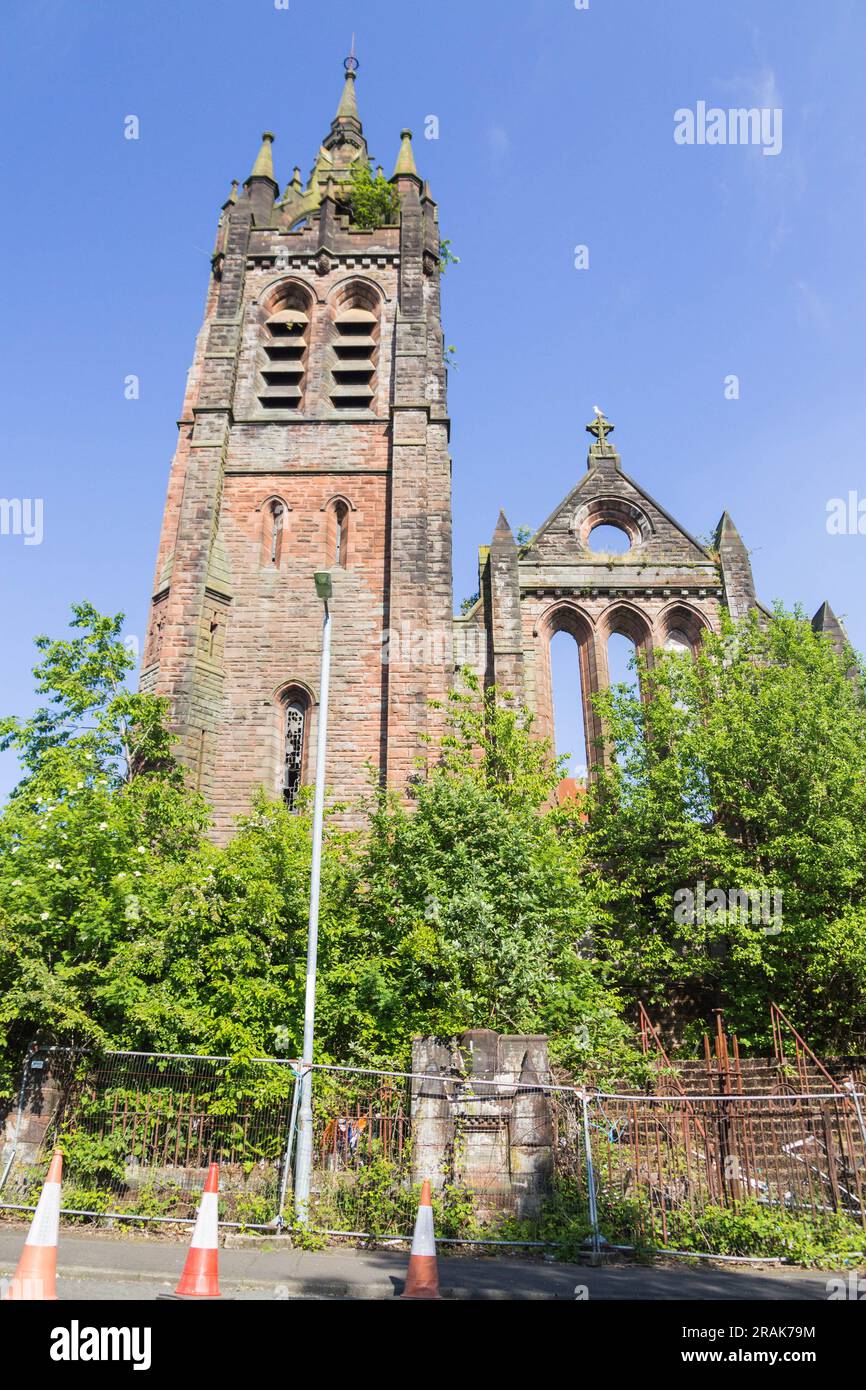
495, 1139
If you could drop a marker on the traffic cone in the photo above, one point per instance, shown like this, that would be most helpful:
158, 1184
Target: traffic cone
36, 1275
422, 1278
200, 1278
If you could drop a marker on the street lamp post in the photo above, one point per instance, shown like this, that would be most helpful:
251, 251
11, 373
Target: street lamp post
304, 1164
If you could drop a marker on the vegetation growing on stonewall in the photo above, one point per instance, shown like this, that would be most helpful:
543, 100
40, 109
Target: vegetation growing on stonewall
371, 199
484, 905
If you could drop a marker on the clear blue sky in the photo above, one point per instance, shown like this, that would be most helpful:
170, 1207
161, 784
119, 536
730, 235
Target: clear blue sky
555, 129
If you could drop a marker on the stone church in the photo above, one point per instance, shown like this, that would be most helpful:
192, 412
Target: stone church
314, 435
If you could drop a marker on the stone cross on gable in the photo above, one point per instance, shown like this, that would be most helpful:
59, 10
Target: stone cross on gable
601, 428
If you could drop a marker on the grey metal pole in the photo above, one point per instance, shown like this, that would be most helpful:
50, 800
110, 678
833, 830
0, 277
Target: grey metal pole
304, 1161
596, 1239
287, 1160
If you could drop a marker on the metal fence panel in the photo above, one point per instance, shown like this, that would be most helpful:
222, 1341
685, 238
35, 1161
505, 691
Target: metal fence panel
140, 1130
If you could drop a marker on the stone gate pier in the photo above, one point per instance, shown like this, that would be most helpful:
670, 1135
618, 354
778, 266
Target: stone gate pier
478, 1117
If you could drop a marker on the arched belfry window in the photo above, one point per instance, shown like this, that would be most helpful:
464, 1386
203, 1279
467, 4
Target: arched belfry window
295, 728
354, 349
283, 367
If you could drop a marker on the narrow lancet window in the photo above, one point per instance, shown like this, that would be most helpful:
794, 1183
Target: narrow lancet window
340, 536
277, 517
294, 752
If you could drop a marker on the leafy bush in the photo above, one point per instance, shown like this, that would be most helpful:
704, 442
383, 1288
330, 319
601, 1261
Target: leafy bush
755, 1230
96, 1160
372, 200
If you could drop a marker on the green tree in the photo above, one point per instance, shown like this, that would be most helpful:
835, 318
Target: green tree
741, 769
476, 906
100, 814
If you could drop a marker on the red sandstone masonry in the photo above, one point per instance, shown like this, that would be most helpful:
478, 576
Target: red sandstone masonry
230, 631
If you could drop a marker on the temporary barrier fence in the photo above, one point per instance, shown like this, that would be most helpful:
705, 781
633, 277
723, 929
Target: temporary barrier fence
140, 1130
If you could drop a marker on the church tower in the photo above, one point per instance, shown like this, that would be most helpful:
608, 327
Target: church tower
313, 435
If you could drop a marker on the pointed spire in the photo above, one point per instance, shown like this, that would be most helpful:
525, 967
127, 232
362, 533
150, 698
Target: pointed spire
233, 196
503, 536
726, 530
736, 568
347, 111
264, 165
825, 620
405, 159
344, 145
826, 623
348, 108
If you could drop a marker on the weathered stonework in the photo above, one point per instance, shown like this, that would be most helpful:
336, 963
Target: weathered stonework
235, 629
314, 435
666, 588
480, 1119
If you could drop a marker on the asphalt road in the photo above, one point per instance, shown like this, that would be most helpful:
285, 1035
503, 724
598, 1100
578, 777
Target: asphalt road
134, 1267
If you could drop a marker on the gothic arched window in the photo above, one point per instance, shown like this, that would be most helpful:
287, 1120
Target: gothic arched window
295, 711
337, 533
277, 517
284, 360
341, 527
354, 348
275, 514
677, 641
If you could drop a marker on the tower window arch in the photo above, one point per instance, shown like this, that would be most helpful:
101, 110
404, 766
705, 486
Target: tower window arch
277, 519
337, 532
341, 528
283, 365
275, 516
354, 349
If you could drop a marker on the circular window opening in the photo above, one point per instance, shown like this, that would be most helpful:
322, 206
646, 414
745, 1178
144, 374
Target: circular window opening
608, 540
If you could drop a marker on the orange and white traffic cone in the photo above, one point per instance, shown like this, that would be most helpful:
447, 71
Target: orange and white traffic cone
36, 1275
422, 1278
200, 1278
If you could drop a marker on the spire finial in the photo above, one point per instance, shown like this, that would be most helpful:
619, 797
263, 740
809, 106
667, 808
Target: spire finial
601, 427
264, 165
348, 108
405, 159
